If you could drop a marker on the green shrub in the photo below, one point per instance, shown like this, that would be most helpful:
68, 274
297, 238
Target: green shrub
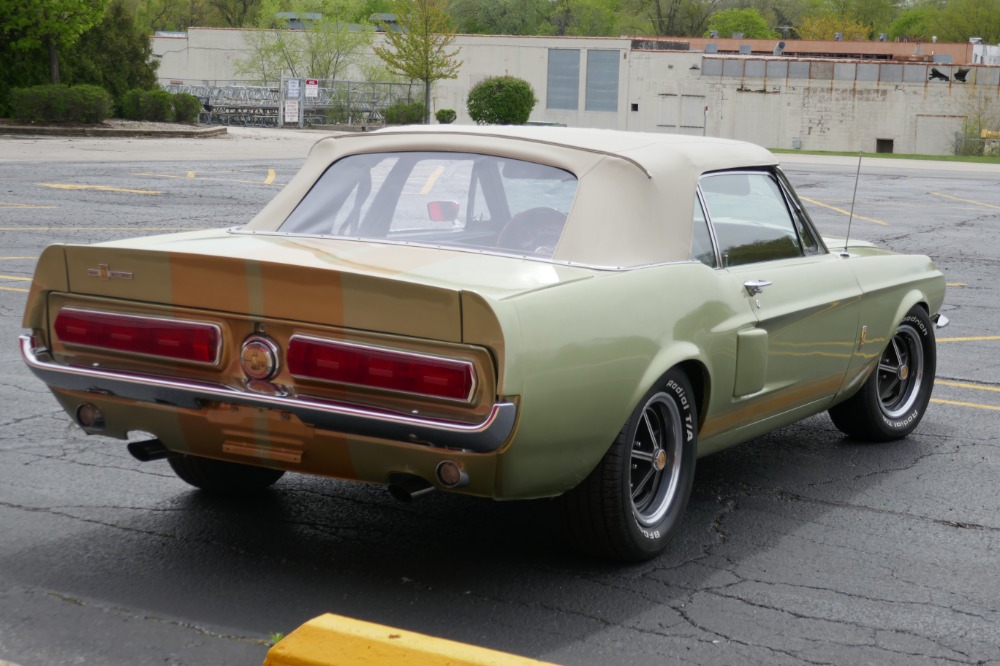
131, 104
156, 105
187, 108
405, 113
501, 100
92, 104
446, 116
60, 104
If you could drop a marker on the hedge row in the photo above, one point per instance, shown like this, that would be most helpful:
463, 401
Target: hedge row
61, 104
160, 106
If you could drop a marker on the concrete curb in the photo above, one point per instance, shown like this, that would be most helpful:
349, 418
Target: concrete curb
55, 130
334, 640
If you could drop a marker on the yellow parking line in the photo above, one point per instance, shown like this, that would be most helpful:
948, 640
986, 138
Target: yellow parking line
11, 204
976, 338
270, 177
995, 408
12, 258
13, 289
190, 174
14, 277
429, 185
100, 188
971, 201
978, 387
955, 284
844, 212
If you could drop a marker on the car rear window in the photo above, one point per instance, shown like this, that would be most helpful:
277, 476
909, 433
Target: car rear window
461, 200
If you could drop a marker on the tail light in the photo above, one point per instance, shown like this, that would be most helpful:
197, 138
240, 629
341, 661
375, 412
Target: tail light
192, 341
374, 367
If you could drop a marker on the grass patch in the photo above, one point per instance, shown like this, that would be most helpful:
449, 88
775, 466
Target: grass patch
979, 159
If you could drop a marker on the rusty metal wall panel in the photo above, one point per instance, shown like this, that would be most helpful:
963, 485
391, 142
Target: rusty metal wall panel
777, 69
867, 71
798, 69
890, 73
821, 70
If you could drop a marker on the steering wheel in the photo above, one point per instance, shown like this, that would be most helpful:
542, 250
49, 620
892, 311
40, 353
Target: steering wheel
535, 230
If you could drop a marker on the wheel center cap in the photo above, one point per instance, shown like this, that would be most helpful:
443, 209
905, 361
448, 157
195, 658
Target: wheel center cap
903, 372
659, 459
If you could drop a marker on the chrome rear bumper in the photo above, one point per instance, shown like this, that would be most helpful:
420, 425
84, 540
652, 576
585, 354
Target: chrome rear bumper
483, 437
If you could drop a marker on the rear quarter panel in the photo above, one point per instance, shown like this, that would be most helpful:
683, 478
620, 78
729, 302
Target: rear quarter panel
585, 353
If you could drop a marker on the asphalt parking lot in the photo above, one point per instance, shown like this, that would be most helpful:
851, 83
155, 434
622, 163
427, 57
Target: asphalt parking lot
799, 547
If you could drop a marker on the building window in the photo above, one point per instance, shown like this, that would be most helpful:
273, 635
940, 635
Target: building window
602, 80
563, 84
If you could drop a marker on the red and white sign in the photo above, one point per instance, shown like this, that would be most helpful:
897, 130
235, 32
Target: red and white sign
312, 87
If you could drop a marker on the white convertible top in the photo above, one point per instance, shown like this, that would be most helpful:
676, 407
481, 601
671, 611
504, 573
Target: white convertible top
636, 190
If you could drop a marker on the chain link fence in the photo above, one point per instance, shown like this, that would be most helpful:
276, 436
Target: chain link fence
348, 103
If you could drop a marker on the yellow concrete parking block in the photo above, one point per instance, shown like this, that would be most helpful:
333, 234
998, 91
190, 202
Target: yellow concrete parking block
334, 640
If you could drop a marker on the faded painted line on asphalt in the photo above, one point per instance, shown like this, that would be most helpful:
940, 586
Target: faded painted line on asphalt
971, 201
995, 408
100, 188
977, 387
11, 204
429, 185
269, 179
14, 277
845, 212
977, 338
11, 258
955, 284
14, 289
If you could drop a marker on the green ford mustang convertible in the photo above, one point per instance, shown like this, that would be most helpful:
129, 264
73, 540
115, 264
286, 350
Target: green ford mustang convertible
502, 312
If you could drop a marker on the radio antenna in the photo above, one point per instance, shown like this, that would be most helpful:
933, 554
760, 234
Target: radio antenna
854, 197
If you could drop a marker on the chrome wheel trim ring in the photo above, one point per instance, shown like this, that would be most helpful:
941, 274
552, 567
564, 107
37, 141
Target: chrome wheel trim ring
655, 459
900, 372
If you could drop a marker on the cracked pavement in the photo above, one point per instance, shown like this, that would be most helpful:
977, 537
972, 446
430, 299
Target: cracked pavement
800, 547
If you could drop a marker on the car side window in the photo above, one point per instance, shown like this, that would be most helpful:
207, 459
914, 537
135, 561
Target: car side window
750, 217
701, 238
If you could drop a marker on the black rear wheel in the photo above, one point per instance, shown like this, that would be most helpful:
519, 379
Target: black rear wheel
629, 506
893, 399
223, 478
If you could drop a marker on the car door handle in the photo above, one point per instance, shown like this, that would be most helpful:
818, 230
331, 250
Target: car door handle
754, 287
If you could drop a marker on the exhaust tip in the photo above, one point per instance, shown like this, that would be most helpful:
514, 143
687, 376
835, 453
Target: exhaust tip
150, 449
408, 487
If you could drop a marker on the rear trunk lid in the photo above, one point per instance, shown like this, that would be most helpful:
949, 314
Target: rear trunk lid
411, 291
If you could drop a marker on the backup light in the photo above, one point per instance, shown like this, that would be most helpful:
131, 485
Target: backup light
374, 367
192, 341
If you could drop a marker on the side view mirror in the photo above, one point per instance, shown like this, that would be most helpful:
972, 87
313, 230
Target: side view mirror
442, 211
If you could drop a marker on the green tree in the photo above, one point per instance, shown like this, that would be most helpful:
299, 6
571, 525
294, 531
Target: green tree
236, 13
747, 21
501, 17
326, 49
674, 18
114, 54
962, 19
587, 18
826, 26
917, 23
420, 49
50, 24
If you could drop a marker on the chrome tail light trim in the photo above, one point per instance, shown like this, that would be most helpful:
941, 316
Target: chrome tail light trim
483, 437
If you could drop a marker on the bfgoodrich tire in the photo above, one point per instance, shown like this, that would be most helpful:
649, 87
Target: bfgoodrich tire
223, 478
630, 505
893, 400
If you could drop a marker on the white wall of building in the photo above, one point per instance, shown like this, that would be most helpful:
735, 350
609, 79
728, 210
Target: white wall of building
772, 101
